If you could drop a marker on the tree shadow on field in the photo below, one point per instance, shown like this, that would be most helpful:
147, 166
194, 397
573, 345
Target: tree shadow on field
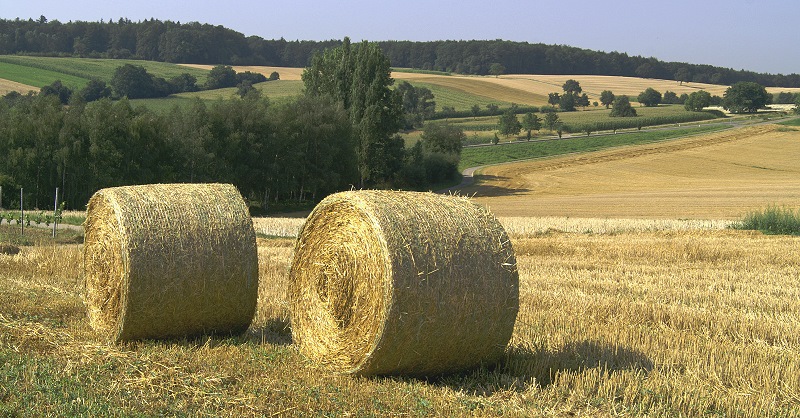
522, 367
485, 186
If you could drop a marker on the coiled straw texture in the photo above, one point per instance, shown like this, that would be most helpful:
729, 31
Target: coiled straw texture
169, 260
402, 283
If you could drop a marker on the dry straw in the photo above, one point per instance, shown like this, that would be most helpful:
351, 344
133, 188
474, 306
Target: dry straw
169, 260
388, 283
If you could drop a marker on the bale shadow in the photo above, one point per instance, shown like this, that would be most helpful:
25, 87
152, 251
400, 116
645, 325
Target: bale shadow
481, 189
522, 367
275, 332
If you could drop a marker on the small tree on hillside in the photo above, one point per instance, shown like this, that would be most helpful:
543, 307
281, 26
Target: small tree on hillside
551, 121
622, 108
697, 101
567, 102
508, 124
572, 87
607, 98
531, 122
553, 98
650, 97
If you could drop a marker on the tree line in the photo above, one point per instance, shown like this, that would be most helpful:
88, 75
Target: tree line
342, 133
198, 43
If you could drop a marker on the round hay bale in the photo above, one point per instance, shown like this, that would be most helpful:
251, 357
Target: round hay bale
169, 260
402, 283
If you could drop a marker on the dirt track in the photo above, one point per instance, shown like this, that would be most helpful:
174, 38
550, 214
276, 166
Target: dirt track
716, 176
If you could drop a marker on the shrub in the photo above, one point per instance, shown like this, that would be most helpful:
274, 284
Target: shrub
772, 220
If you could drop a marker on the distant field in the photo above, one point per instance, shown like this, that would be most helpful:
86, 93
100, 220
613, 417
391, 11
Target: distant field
37, 77
87, 68
716, 176
7, 86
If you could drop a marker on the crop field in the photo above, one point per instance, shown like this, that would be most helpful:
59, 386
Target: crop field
720, 175
7, 86
655, 319
505, 153
674, 314
581, 117
87, 68
22, 76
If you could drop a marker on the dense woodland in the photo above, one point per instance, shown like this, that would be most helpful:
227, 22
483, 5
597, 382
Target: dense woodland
207, 44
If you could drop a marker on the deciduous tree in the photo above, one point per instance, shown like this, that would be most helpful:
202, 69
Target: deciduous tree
622, 108
607, 98
697, 101
650, 97
359, 78
745, 97
509, 124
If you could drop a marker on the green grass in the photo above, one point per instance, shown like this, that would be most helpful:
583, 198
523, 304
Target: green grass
579, 118
87, 68
791, 122
38, 77
11, 234
478, 156
416, 71
772, 220
457, 99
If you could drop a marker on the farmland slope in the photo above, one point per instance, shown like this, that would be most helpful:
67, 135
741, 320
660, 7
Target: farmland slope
717, 176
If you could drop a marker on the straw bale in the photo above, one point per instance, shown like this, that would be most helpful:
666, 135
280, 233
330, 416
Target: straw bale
169, 260
402, 283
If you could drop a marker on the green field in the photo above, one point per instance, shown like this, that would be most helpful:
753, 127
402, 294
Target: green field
87, 68
489, 123
478, 156
38, 77
457, 99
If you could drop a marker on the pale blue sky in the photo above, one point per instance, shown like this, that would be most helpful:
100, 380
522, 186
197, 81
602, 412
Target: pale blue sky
741, 34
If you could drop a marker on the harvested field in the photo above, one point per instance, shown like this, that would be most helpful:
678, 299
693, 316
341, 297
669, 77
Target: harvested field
7, 86
664, 323
286, 73
717, 176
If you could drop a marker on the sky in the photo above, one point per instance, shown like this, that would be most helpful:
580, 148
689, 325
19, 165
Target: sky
740, 34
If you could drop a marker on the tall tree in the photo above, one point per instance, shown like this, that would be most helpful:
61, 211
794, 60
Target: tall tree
359, 78
745, 97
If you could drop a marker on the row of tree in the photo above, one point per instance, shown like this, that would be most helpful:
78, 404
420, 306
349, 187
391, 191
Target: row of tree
207, 44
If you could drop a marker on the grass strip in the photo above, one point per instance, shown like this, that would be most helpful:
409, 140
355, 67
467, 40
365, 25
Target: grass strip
479, 156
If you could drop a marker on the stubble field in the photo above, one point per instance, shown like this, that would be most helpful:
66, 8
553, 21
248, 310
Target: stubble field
717, 176
644, 316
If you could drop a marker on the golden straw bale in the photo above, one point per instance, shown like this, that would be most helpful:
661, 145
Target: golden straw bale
169, 260
391, 283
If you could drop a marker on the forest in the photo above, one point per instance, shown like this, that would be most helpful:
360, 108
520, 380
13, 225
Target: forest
198, 43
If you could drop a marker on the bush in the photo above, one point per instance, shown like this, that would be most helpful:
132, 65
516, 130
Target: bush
772, 220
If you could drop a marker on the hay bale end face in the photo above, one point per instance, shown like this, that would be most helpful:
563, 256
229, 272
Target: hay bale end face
402, 283
169, 260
